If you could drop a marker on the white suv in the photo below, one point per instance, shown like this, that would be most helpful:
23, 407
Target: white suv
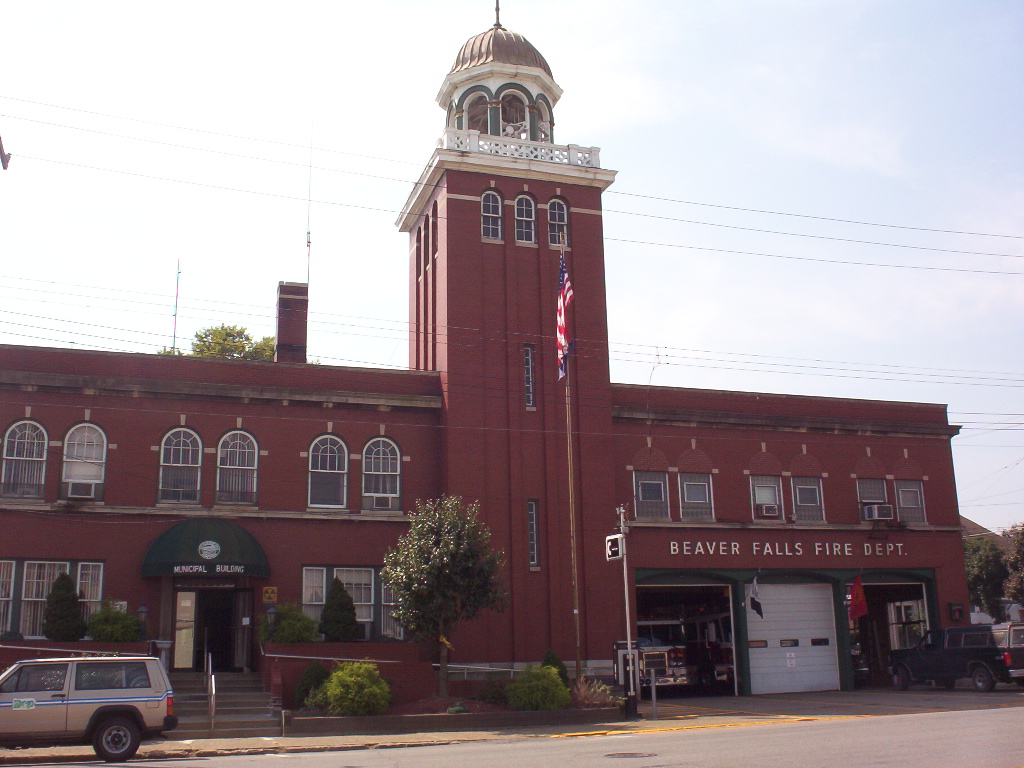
111, 701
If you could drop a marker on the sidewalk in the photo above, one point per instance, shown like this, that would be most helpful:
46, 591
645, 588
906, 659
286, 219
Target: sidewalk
673, 714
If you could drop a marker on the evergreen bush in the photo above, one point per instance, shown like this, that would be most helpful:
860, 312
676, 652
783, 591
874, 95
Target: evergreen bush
312, 678
356, 688
338, 621
538, 688
293, 626
553, 660
62, 619
109, 625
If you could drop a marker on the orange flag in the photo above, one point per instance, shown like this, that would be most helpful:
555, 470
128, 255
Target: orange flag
858, 602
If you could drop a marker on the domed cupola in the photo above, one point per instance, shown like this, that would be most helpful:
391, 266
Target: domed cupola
501, 85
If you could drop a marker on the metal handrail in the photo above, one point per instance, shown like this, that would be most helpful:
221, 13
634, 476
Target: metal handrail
73, 652
465, 668
324, 658
211, 688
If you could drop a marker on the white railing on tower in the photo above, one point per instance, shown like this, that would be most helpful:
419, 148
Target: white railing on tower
474, 141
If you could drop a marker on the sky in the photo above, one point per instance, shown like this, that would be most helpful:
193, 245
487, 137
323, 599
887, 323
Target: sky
813, 197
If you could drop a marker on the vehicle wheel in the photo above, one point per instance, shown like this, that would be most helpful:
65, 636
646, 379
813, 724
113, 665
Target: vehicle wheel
982, 679
901, 678
116, 739
949, 683
1019, 681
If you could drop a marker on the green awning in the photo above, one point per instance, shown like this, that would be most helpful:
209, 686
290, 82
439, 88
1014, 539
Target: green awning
206, 546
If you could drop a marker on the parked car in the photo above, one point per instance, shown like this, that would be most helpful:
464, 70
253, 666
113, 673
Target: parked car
111, 702
983, 653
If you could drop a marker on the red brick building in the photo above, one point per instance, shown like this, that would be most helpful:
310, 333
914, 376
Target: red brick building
190, 485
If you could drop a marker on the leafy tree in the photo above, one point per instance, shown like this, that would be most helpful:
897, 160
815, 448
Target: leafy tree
62, 619
443, 572
986, 575
231, 342
109, 625
1014, 560
338, 621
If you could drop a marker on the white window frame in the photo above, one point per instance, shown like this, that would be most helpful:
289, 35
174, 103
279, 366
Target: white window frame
24, 461
34, 592
6, 595
530, 375
865, 488
181, 459
85, 460
910, 513
90, 587
382, 460
237, 465
490, 215
526, 219
804, 512
320, 462
360, 591
696, 510
533, 533
558, 222
759, 497
314, 591
650, 509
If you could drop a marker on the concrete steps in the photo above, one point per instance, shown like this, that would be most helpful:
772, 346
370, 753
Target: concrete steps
243, 708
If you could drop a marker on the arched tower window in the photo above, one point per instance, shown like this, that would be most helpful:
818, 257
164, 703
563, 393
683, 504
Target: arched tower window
526, 220
85, 462
328, 472
490, 215
180, 459
381, 475
558, 223
513, 117
236, 469
544, 125
476, 114
433, 229
24, 467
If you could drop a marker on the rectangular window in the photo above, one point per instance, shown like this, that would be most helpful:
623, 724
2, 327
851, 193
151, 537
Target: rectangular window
36, 584
6, 594
390, 626
359, 583
766, 496
313, 589
871, 491
111, 676
910, 498
90, 587
532, 535
695, 492
529, 381
651, 495
807, 502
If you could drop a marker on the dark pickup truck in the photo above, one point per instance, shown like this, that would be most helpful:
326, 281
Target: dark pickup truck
983, 653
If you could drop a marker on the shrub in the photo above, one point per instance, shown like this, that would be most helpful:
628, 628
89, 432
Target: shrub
538, 688
356, 688
312, 678
109, 625
293, 626
593, 694
493, 692
11, 635
62, 620
553, 660
338, 621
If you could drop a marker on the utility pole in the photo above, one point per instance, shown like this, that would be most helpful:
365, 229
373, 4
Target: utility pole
633, 688
5, 157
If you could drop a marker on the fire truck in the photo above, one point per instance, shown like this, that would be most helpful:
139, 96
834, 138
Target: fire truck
695, 651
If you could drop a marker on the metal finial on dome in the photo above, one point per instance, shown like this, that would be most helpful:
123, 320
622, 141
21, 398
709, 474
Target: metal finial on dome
497, 14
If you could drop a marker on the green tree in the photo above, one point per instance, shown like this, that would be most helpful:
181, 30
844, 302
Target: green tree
1014, 560
338, 620
231, 342
443, 572
62, 619
986, 575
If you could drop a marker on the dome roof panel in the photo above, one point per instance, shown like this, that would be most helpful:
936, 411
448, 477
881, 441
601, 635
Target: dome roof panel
498, 45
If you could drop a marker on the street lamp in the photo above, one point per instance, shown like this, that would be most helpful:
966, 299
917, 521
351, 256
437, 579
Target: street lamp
271, 622
143, 613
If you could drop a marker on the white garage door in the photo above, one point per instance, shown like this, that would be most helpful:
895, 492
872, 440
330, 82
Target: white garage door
793, 648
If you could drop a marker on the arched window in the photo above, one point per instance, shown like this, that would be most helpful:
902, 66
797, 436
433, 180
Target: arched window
490, 215
558, 223
433, 229
381, 475
180, 458
85, 461
476, 114
24, 468
236, 469
328, 472
526, 220
544, 127
513, 117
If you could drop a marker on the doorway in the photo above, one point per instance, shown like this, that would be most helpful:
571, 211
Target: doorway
897, 618
214, 621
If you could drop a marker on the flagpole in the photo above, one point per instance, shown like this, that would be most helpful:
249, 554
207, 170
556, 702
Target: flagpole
572, 504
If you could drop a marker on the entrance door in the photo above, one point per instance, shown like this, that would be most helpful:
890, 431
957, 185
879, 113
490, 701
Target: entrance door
212, 621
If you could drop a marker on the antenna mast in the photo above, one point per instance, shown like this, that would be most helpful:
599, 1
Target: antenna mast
177, 283
309, 204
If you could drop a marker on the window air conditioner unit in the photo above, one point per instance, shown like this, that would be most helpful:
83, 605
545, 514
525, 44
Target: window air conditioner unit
878, 512
81, 490
382, 502
768, 510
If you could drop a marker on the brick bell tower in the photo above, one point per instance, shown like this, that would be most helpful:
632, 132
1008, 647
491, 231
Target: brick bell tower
486, 223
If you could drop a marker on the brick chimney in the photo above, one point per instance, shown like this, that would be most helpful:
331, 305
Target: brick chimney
292, 311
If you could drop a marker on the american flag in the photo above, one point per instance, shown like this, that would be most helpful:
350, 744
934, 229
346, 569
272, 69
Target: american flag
561, 332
